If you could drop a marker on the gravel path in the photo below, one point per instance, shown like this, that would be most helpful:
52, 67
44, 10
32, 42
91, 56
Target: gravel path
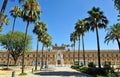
53, 71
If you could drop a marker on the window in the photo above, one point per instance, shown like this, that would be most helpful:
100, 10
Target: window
116, 55
27, 55
33, 55
87, 55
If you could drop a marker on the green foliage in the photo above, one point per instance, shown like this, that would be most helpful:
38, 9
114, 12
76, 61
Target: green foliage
21, 74
15, 11
5, 20
76, 63
91, 64
117, 4
15, 43
93, 71
83, 69
107, 67
31, 13
113, 34
75, 66
106, 71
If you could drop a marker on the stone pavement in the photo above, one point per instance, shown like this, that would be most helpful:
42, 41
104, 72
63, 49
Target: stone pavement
53, 71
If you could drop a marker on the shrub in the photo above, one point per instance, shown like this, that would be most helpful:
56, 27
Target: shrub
76, 63
83, 69
90, 71
107, 67
101, 71
93, 71
75, 67
91, 64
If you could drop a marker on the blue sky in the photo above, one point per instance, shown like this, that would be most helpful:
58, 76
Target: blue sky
61, 16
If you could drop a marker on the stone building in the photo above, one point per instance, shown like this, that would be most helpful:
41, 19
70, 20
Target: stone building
59, 56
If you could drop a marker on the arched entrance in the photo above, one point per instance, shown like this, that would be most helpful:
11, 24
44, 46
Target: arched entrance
59, 58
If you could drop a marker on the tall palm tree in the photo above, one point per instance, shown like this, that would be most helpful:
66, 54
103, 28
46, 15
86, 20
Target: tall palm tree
113, 34
39, 28
83, 28
30, 13
77, 29
47, 41
44, 39
15, 12
3, 9
97, 20
73, 38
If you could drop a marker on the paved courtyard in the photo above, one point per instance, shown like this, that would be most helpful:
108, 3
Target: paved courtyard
53, 71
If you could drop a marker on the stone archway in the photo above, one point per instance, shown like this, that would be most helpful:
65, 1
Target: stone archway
59, 58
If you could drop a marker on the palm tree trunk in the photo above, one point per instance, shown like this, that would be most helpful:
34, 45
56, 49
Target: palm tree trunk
2, 11
118, 44
74, 54
13, 26
83, 49
37, 54
10, 47
42, 57
23, 55
78, 50
46, 58
98, 46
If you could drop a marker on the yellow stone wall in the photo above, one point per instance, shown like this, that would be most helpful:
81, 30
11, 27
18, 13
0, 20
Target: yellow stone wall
91, 56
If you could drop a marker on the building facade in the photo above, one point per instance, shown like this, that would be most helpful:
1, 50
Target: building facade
62, 57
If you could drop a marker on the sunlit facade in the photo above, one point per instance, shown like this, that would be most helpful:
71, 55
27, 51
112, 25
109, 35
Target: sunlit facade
61, 57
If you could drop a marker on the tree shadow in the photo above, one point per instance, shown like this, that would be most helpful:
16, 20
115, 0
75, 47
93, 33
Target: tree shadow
61, 73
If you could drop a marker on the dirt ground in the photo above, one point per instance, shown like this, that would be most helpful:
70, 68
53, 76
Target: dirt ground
17, 69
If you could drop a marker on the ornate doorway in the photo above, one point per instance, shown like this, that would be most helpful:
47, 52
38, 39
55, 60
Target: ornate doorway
59, 62
59, 58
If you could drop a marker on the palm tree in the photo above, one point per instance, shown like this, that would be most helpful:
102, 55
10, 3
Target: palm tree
30, 13
73, 38
83, 28
47, 41
117, 4
5, 21
113, 34
96, 20
3, 9
15, 12
77, 29
39, 28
